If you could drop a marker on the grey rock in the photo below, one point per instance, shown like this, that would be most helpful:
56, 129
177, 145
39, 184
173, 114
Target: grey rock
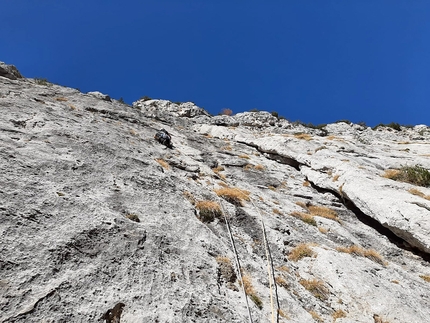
100, 96
9, 71
75, 167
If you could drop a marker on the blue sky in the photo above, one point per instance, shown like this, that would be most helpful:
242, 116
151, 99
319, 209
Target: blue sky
314, 61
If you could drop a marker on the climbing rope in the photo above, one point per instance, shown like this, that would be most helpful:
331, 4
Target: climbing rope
236, 257
272, 283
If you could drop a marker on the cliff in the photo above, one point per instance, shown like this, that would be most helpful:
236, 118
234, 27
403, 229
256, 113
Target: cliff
101, 222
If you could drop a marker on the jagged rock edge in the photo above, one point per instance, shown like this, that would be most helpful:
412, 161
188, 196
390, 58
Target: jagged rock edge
384, 229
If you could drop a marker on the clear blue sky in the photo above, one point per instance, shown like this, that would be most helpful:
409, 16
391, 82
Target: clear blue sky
315, 61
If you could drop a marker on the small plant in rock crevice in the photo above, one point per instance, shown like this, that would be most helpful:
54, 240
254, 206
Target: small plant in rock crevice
425, 278
378, 319
145, 98
417, 192
208, 210
163, 163
359, 251
276, 211
338, 314
315, 210
316, 317
217, 170
250, 290
233, 195
392, 125
226, 269
416, 175
316, 287
323, 212
259, 167
305, 217
280, 281
301, 251
42, 81
304, 136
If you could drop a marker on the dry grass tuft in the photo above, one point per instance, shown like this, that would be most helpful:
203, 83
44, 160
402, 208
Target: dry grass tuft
283, 314
220, 183
301, 251
61, 99
416, 175
283, 268
247, 284
426, 278
217, 170
316, 287
244, 156
335, 178
163, 163
281, 282
338, 314
250, 290
417, 192
276, 211
391, 173
304, 136
323, 230
372, 254
305, 217
248, 167
302, 204
378, 319
306, 184
72, 107
223, 259
323, 212
314, 210
259, 167
226, 269
316, 317
354, 249
233, 195
228, 147
208, 210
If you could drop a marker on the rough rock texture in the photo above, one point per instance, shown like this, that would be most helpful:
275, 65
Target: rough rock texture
77, 171
9, 71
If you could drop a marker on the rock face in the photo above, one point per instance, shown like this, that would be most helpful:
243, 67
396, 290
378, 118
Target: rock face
9, 71
101, 222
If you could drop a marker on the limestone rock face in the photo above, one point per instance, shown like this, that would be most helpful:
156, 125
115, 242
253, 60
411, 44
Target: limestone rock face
9, 71
100, 96
98, 221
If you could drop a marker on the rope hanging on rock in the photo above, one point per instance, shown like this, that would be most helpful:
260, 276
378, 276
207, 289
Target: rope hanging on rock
236, 257
272, 283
